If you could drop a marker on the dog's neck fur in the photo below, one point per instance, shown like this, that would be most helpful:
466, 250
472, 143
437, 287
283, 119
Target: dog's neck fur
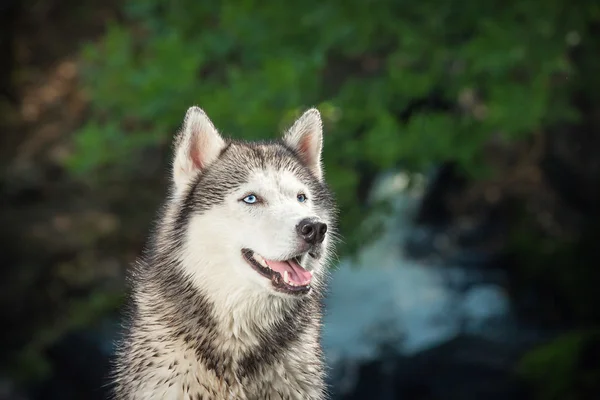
246, 323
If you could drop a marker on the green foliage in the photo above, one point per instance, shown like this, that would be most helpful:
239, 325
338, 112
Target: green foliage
554, 368
565, 265
253, 66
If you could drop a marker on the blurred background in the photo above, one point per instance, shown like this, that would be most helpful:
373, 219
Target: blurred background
461, 140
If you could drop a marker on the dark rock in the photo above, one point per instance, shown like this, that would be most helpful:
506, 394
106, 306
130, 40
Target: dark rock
435, 209
472, 259
8, 391
464, 368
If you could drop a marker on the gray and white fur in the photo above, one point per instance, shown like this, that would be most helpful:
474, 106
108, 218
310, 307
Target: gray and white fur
207, 317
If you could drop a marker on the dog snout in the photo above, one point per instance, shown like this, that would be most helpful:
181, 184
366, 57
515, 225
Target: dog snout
311, 230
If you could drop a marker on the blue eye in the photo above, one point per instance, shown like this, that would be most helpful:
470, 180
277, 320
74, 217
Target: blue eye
250, 199
301, 198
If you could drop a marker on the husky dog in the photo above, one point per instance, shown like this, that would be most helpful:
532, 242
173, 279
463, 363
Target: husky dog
226, 299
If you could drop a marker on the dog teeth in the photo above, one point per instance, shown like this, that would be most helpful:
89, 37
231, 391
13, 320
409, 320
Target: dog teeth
286, 279
260, 260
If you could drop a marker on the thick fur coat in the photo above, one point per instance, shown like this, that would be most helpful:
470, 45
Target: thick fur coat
207, 321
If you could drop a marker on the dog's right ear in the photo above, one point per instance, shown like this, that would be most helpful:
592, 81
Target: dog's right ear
197, 145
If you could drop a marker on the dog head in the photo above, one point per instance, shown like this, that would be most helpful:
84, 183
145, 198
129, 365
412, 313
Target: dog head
254, 216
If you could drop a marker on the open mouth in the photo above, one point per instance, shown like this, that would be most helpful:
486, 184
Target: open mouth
287, 276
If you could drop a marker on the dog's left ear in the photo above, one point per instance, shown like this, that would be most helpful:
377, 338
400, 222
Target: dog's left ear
305, 137
197, 146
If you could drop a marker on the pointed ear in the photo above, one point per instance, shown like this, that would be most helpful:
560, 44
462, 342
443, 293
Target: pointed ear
305, 137
197, 145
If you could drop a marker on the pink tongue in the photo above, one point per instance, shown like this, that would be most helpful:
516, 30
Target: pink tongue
296, 273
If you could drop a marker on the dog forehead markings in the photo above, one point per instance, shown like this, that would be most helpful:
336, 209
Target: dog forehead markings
282, 181
261, 156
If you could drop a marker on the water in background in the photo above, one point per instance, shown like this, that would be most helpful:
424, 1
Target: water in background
387, 303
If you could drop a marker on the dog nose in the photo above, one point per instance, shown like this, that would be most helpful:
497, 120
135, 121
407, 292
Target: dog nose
311, 230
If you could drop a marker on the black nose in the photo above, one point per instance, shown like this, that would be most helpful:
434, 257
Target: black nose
311, 230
